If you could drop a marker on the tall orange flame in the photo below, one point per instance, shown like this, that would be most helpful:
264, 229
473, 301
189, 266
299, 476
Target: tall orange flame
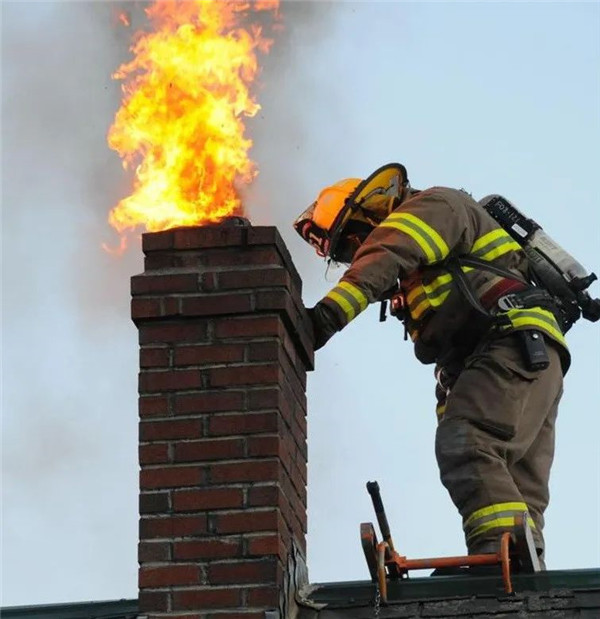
186, 93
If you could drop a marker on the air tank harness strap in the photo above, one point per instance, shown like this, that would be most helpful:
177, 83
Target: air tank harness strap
529, 297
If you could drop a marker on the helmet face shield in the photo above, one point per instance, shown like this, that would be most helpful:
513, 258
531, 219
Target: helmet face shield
313, 234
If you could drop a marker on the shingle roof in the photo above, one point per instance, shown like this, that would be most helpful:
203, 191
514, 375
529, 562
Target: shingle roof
572, 594
114, 609
545, 595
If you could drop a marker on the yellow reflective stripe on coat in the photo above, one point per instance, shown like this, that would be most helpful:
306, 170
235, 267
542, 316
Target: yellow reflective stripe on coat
493, 245
349, 298
431, 243
536, 318
439, 289
414, 294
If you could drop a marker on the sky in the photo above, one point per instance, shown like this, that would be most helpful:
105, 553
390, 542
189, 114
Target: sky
493, 97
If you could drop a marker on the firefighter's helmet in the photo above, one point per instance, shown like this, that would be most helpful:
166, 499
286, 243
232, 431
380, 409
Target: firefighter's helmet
350, 208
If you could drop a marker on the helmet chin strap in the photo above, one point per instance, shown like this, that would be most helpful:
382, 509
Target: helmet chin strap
404, 192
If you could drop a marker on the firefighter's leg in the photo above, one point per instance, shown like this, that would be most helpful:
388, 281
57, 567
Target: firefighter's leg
493, 415
532, 472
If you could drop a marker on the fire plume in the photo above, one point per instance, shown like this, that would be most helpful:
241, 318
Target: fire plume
181, 122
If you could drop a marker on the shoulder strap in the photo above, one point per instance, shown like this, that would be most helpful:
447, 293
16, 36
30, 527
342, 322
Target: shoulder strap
483, 265
453, 266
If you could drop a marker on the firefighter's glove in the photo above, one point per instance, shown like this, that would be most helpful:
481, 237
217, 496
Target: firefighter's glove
324, 324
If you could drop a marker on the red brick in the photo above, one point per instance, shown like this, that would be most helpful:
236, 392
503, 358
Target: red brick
296, 521
167, 283
297, 496
153, 502
153, 601
157, 453
208, 402
253, 278
207, 549
261, 471
153, 241
154, 357
154, 552
208, 281
208, 354
259, 374
233, 615
265, 545
299, 474
260, 399
207, 499
153, 406
169, 575
177, 380
264, 235
264, 351
215, 449
247, 522
242, 257
264, 445
160, 261
171, 477
201, 599
269, 300
170, 429
202, 237
263, 596
248, 327
173, 526
243, 572
243, 423
179, 332
262, 496
216, 305
146, 308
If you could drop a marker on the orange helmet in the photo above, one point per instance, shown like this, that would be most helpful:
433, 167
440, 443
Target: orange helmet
366, 202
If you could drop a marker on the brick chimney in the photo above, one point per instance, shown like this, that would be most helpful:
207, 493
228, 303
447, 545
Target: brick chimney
224, 351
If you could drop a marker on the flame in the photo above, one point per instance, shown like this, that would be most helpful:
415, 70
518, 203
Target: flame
181, 122
124, 18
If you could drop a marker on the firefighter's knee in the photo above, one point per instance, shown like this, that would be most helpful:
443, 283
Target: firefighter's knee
453, 441
456, 454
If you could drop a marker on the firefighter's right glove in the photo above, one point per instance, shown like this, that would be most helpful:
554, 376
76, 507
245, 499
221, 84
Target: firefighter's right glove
324, 324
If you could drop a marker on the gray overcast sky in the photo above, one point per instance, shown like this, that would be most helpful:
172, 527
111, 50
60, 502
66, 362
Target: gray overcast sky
490, 96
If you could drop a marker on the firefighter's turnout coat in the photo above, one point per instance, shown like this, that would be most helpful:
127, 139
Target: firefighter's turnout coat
495, 435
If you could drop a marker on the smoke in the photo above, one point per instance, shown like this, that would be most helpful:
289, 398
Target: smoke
296, 96
68, 416
69, 353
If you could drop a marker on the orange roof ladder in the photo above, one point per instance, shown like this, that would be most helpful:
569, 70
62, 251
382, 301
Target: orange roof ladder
517, 552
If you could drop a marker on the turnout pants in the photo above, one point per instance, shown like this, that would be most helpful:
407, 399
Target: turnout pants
495, 439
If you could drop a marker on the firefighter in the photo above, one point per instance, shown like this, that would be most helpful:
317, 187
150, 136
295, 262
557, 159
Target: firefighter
499, 369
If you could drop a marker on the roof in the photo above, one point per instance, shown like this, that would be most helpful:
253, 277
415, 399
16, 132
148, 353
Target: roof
560, 594
549, 595
113, 609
